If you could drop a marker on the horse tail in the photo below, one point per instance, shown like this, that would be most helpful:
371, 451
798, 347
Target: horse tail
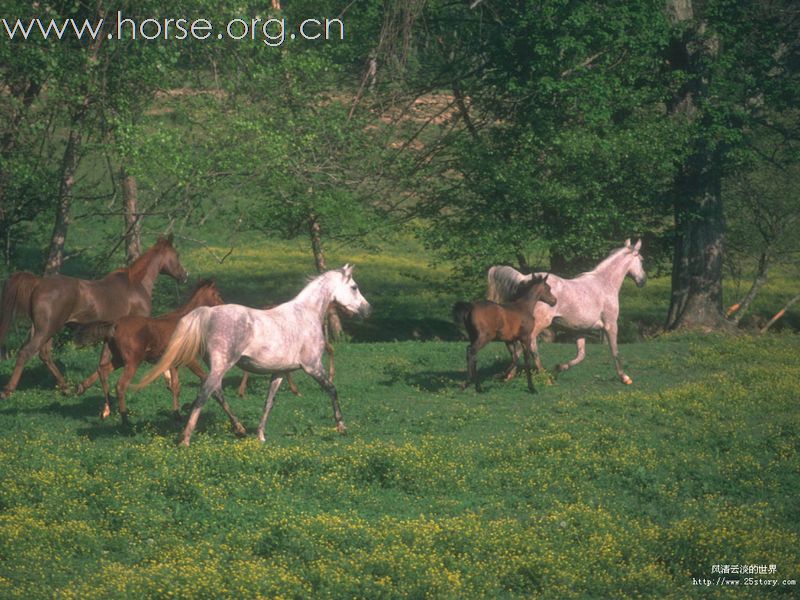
503, 282
17, 292
186, 342
461, 313
88, 334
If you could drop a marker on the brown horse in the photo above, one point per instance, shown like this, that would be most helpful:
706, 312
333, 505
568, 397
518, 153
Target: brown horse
135, 339
58, 300
511, 322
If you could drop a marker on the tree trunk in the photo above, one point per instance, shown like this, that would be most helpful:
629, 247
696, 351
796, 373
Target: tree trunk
315, 231
697, 262
55, 257
133, 225
699, 217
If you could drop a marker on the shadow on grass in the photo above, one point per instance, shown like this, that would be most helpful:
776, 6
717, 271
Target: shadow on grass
79, 411
163, 424
437, 381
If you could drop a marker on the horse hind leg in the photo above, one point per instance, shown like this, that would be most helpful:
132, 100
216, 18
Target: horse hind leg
526, 353
211, 384
104, 369
236, 426
46, 356
32, 346
243, 385
511, 371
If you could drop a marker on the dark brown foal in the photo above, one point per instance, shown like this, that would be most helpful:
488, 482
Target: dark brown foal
510, 322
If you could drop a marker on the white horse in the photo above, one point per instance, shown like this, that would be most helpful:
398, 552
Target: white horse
588, 302
275, 341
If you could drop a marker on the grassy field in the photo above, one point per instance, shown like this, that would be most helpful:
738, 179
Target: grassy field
586, 489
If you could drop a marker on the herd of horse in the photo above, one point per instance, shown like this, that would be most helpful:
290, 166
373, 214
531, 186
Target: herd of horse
278, 340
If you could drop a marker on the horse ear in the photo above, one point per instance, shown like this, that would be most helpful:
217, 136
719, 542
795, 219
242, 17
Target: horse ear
638, 245
628, 243
347, 271
170, 238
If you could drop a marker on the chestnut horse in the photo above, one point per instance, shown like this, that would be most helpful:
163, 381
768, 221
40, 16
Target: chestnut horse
511, 322
57, 300
135, 339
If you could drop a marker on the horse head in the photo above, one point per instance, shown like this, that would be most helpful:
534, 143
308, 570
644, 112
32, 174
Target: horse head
206, 293
543, 291
636, 264
170, 261
347, 295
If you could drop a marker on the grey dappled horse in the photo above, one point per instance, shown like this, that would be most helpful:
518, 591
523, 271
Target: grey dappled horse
590, 301
275, 341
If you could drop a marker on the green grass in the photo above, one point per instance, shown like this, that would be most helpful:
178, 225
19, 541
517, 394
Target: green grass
586, 489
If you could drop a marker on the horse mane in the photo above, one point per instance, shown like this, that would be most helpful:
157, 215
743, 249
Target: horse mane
138, 268
503, 282
524, 287
606, 261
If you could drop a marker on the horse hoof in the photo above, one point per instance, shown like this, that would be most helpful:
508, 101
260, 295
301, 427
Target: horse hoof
79, 389
105, 412
239, 431
183, 443
5, 395
627, 380
341, 428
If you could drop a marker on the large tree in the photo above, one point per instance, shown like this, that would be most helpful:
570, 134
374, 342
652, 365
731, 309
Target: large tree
737, 63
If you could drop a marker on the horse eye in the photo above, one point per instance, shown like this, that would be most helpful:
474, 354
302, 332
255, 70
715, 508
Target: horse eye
354, 287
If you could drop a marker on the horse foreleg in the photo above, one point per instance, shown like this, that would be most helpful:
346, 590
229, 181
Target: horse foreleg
331, 367
105, 357
611, 334
274, 384
580, 344
318, 373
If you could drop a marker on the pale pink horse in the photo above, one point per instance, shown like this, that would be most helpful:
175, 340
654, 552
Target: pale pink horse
588, 302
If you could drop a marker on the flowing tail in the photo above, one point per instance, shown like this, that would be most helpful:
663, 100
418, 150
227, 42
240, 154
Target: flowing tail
186, 342
17, 292
461, 313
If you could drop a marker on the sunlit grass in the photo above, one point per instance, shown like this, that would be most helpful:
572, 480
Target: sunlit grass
585, 489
